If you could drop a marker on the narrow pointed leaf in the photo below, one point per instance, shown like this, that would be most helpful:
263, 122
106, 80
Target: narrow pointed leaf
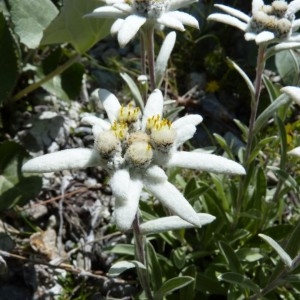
240, 280
134, 89
153, 264
231, 257
244, 76
123, 249
122, 266
172, 285
283, 255
264, 117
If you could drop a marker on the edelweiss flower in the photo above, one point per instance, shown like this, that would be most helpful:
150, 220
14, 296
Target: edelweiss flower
268, 24
133, 148
131, 15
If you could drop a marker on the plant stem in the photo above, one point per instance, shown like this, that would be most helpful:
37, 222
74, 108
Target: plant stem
254, 106
149, 41
143, 64
255, 102
54, 73
141, 257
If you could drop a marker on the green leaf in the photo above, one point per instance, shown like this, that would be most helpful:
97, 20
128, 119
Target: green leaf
273, 90
293, 243
260, 187
224, 145
288, 67
172, 285
72, 27
259, 146
66, 85
188, 292
9, 60
283, 255
244, 76
124, 249
134, 90
264, 117
15, 188
122, 266
249, 254
230, 256
179, 257
240, 280
31, 18
154, 266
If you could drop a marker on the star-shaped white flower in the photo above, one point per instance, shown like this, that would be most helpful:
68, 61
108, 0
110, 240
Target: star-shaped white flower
134, 149
268, 24
131, 15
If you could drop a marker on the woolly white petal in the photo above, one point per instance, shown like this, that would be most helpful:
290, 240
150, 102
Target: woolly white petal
130, 27
63, 160
106, 12
285, 46
97, 130
184, 18
293, 38
188, 119
257, 5
127, 193
173, 223
264, 37
234, 12
184, 133
206, 162
294, 6
92, 120
293, 92
295, 152
296, 24
175, 4
233, 21
111, 104
116, 26
250, 36
154, 106
155, 174
170, 197
169, 21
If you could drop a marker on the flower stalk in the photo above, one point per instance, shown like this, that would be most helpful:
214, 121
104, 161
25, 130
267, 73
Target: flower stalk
149, 41
140, 254
255, 101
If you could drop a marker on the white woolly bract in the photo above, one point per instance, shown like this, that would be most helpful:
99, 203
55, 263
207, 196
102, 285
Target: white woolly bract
173, 223
79, 158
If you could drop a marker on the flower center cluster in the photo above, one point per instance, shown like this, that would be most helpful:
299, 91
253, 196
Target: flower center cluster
149, 8
126, 144
275, 18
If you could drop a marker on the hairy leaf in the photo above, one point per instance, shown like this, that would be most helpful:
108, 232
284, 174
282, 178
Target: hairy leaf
72, 27
31, 18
